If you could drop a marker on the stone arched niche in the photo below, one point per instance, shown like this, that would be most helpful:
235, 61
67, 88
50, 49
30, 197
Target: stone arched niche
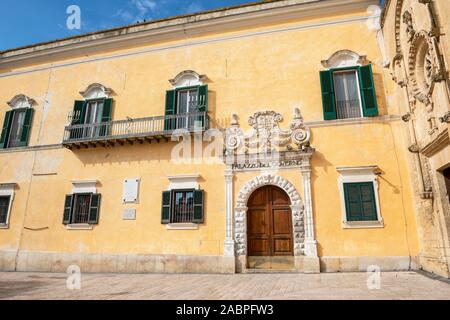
240, 212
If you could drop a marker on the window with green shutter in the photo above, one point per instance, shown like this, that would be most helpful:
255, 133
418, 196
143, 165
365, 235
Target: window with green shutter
82, 208
348, 93
360, 202
182, 102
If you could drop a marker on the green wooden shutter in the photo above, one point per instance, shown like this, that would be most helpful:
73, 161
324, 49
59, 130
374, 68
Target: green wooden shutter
166, 206
353, 202
203, 104
106, 118
199, 199
328, 98
79, 112
369, 208
367, 87
203, 98
26, 129
94, 210
171, 106
67, 216
360, 202
6, 129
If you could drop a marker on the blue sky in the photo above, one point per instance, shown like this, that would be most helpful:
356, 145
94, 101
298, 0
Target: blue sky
24, 22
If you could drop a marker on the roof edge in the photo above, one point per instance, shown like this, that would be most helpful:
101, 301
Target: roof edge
175, 27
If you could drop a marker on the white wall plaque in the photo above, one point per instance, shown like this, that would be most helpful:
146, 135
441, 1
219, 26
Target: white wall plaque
131, 190
129, 214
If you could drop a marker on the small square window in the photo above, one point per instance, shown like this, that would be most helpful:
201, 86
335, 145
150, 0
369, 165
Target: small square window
360, 202
81, 209
183, 206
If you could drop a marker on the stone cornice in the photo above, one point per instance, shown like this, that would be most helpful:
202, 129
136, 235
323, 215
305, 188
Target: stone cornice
441, 141
175, 28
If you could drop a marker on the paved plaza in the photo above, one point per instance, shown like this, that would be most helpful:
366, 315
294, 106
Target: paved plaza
394, 285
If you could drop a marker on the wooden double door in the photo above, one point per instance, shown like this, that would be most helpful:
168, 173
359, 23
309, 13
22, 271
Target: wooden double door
269, 223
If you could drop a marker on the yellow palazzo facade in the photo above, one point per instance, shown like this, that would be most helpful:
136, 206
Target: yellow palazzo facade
262, 136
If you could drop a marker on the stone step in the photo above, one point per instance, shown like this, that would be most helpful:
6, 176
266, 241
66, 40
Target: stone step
271, 271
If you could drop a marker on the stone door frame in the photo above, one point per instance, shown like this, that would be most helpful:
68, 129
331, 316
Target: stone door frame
240, 212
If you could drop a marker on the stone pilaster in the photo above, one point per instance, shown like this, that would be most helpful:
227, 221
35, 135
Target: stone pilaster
310, 242
229, 248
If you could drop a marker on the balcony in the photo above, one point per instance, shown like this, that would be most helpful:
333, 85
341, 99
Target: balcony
132, 131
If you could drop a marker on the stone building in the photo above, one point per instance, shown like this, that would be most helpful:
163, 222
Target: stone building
417, 43
264, 136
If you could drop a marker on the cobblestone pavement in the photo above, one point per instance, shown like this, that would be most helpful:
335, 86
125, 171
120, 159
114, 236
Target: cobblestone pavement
394, 285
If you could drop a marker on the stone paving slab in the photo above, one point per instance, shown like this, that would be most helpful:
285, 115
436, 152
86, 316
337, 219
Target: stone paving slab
337, 286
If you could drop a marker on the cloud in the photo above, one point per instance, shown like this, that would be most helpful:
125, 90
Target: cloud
125, 15
144, 6
194, 7
137, 10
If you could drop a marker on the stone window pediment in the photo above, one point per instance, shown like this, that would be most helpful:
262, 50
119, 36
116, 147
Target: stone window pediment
188, 78
21, 101
96, 91
344, 58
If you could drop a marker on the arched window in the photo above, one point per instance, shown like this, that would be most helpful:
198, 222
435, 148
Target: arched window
187, 102
348, 89
17, 123
90, 117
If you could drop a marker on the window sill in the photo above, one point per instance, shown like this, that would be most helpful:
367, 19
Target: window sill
362, 224
4, 226
79, 227
182, 226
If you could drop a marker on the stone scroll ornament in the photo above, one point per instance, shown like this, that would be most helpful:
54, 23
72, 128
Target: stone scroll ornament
266, 135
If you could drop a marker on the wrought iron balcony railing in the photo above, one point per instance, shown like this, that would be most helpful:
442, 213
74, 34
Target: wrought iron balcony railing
133, 130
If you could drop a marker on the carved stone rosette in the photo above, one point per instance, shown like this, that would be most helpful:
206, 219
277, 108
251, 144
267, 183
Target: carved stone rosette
423, 67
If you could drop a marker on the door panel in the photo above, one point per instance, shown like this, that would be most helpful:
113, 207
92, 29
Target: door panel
258, 199
282, 247
258, 225
281, 222
259, 247
269, 223
279, 197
